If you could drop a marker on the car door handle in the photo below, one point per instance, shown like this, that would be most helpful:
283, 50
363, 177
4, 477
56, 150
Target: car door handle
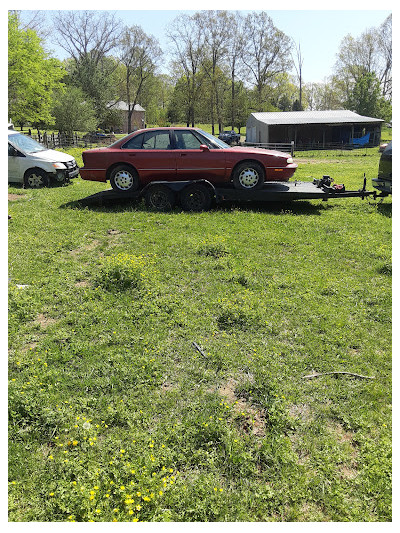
183, 155
131, 155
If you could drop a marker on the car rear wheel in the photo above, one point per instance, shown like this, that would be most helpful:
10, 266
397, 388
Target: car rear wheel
124, 178
160, 197
36, 178
196, 197
248, 176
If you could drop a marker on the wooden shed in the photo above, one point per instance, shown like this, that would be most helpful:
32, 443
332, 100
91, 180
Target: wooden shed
313, 129
138, 116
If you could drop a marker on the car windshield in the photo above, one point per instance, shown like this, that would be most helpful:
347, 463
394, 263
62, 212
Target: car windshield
25, 143
217, 143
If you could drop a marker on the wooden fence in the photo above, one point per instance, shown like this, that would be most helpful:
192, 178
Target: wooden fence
60, 140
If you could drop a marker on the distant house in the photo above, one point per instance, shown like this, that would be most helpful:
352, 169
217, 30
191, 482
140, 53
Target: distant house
138, 116
313, 128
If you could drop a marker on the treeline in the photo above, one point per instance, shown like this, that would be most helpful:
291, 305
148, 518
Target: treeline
224, 66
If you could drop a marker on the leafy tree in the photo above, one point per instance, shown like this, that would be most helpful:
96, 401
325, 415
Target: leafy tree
73, 111
32, 76
366, 98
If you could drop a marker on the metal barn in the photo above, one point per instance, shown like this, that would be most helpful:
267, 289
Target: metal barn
313, 129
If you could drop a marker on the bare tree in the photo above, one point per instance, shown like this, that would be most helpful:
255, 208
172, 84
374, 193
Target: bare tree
87, 33
139, 53
234, 53
217, 30
298, 65
385, 53
187, 40
33, 20
268, 50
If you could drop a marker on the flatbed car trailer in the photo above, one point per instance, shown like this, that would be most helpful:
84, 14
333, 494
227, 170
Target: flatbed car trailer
199, 195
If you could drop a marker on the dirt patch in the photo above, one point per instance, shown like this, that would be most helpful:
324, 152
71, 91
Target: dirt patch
88, 247
44, 320
29, 347
301, 411
13, 197
304, 161
113, 232
84, 283
252, 420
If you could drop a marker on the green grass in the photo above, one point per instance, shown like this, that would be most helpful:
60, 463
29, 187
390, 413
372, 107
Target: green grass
116, 415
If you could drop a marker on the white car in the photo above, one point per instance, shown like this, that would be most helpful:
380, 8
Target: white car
33, 165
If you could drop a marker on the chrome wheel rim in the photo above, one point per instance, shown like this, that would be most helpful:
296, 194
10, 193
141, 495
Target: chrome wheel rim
123, 180
248, 178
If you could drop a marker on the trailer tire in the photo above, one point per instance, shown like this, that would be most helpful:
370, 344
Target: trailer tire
248, 176
196, 197
160, 197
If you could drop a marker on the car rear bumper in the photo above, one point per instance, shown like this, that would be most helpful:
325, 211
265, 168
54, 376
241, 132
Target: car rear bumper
91, 174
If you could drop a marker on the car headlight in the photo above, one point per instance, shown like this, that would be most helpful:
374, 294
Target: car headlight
289, 160
59, 165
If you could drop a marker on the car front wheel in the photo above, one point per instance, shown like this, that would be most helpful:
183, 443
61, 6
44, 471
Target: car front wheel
36, 178
248, 176
124, 178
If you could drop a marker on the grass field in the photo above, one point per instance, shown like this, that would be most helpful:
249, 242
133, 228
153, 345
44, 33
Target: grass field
114, 414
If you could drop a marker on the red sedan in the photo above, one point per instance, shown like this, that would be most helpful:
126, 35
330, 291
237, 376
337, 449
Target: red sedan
176, 154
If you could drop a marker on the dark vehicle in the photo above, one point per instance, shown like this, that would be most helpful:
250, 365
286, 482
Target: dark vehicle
384, 180
229, 137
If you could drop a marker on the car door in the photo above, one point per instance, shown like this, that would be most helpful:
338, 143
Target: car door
152, 155
193, 162
15, 165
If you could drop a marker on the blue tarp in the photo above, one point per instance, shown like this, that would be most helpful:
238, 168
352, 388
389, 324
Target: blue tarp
362, 140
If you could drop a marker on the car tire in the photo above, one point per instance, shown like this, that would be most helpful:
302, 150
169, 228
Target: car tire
196, 197
248, 176
160, 197
124, 178
36, 178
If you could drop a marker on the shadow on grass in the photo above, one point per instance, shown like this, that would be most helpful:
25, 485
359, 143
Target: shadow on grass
385, 209
298, 207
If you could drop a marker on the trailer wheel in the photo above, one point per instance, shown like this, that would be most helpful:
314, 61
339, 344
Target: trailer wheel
160, 197
124, 178
196, 197
248, 176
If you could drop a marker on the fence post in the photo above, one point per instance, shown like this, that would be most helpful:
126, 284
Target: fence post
292, 148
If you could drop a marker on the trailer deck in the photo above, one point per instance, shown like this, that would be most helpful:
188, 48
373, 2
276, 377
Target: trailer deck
198, 195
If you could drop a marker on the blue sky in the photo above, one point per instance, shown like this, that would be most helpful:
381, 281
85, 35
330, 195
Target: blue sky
319, 32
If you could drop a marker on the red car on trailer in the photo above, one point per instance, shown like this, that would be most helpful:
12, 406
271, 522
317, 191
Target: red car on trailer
181, 154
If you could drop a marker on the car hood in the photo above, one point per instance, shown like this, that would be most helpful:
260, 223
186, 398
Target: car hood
259, 151
51, 156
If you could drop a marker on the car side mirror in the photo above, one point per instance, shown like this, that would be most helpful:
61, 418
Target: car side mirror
204, 148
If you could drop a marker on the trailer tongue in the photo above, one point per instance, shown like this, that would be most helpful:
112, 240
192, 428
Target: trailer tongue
198, 195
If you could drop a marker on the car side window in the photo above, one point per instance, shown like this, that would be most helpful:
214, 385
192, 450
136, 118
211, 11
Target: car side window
185, 140
135, 143
156, 140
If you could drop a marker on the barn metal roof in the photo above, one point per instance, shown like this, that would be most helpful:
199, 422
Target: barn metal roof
340, 116
123, 106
